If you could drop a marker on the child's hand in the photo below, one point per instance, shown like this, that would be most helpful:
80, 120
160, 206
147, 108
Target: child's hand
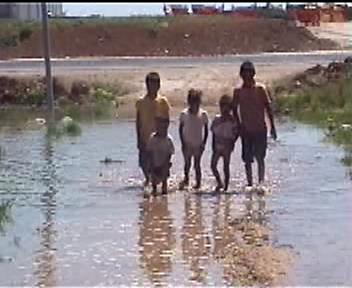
183, 147
140, 145
273, 133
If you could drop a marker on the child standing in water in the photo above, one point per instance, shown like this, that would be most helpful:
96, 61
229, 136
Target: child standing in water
225, 133
161, 148
193, 131
146, 108
251, 101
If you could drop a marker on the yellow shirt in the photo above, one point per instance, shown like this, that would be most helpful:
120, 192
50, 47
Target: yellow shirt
148, 109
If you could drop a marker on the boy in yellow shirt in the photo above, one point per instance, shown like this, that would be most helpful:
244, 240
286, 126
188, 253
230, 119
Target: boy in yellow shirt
147, 108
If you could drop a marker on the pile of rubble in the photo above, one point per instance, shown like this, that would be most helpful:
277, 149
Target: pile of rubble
316, 76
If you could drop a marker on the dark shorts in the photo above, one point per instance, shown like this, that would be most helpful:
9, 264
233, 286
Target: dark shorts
190, 151
253, 146
160, 174
144, 160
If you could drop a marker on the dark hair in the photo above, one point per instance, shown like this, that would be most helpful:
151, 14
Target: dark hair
194, 96
247, 65
225, 99
152, 77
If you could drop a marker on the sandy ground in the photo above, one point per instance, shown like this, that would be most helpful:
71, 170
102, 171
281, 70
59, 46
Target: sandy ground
214, 80
338, 32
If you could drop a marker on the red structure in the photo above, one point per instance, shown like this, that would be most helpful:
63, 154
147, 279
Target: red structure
175, 10
307, 16
314, 15
206, 10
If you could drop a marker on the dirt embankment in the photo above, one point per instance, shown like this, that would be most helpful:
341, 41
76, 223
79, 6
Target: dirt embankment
317, 76
179, 36
127, 85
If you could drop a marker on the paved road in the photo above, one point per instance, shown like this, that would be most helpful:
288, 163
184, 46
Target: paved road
32, 66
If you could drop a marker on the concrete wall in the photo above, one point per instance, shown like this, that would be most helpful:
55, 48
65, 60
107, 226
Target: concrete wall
28, 11
5, 10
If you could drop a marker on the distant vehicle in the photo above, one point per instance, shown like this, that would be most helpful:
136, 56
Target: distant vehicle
173, 10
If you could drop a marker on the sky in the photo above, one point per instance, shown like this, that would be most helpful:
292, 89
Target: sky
127, 9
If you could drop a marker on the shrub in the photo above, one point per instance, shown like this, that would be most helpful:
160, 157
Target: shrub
25, 33
35, 98
5, 207
8, 41
103, 95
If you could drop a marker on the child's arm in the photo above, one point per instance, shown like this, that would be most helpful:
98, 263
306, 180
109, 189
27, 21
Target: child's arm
269, 110
235, 105
206, 130
206, 133
171, 152
180, 131
213, 143
212, 129
139, 144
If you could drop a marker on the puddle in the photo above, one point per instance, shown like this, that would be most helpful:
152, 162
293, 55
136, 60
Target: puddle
76, 221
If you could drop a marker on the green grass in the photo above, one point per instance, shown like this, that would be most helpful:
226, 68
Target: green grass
69, 128
328, 107
14, 32
5, 217
347, 159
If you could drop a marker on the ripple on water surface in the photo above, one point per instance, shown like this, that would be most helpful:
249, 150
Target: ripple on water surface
77, 221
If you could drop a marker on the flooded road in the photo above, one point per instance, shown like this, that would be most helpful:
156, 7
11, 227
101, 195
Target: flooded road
76, 221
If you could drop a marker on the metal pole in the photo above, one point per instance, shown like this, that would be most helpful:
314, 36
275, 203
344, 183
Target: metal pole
46, 40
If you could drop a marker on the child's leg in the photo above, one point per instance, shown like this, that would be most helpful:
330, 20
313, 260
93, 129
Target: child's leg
261, 170
198, 170
187, 158
260, 152
154, 185
249, 175
144, 164
164, 186
154, 180
247, 156
214, 163
227, 158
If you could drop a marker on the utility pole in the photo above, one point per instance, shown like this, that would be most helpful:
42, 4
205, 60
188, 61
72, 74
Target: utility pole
46, 42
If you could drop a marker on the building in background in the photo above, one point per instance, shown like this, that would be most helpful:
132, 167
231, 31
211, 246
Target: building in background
28, 11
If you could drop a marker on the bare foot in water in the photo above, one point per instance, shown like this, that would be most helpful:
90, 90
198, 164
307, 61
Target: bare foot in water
146, 183
219, 187
197, 186
184, 183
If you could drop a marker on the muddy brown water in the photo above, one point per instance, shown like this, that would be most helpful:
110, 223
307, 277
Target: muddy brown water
76, 221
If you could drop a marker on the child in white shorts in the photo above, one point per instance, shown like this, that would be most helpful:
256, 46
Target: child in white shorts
193, 132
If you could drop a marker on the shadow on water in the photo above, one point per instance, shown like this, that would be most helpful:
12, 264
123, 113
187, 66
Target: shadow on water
45, 257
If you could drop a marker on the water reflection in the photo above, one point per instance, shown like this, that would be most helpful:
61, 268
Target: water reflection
255, 210
239, 241
157, 238
195, 241
299, 204
45, 258
223, 234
